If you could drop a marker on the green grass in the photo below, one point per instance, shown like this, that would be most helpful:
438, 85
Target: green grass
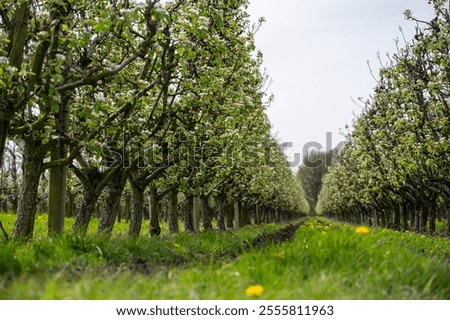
325, 261
42, 261
40, 226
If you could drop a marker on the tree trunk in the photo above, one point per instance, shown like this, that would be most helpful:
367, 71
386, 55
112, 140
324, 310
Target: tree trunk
188, 218
397, 218
424, 220
17, 39
383, 219
222, 213
404, 216
119, 212
237, 215
70, 203
127, 206
417, 219
432, 211
58, 174
229, 216
196, 214
244, 213
4, 129
112, 203
57, 199
90, 197
172, 211
32, 167
206, 213
257, 219
412, 217
155, 228
137, 209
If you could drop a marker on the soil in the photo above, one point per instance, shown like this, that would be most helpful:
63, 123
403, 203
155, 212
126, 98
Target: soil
142, 266
286, 234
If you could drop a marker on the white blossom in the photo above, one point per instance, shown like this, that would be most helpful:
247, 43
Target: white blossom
126, 11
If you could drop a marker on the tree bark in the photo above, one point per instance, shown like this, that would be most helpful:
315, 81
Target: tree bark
17, 38
397, 217
423, 220
4, 129
416, 219
206, 213
127, 206
196, 214
90, 197
137, 209
57, 198
172, 213
221, 214
155, 228
70, 203
404, 216
112, 203
32, 167
188, 218
237, 215
257, 219
245, 213
383, 219
58, 174
432, 211
229, 216
93, 182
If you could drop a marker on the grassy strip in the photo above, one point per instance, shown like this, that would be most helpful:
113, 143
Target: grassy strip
40, 226
325, 261
74, 256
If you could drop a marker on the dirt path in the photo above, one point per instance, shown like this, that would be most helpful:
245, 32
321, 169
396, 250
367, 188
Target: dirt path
286, 234
142, 266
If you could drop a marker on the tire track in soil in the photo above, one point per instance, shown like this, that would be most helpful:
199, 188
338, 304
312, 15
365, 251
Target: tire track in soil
142, 266
284, 235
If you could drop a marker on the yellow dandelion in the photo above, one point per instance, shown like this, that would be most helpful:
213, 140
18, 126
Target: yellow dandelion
311, 226
327, 227
254, 291
176, 245
362, 230
279, 255
323, 233
40, 218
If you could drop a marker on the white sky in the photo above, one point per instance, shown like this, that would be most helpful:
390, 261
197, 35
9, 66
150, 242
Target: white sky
316, 53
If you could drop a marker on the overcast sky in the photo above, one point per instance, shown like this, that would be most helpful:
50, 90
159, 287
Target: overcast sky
316, 53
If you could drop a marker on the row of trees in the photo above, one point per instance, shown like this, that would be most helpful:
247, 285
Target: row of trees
394, 170
311, 173
158, 98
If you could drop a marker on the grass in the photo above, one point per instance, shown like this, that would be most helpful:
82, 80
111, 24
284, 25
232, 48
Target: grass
326, 260
40, 226
43, 260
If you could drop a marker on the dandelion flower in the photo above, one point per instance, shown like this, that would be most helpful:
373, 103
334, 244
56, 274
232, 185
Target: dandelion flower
176, 245
254, 291
362, 230
279, 255
40, 218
